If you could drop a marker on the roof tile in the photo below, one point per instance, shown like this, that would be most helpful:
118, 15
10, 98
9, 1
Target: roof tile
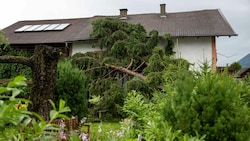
181, 24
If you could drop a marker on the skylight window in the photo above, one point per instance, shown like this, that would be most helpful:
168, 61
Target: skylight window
43, 27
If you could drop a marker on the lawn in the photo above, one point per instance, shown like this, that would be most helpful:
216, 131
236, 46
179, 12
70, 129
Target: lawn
102, 130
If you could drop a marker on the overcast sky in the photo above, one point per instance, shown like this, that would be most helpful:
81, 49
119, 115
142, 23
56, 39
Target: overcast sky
229, 50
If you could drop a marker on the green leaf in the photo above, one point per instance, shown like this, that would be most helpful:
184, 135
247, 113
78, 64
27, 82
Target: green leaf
74, 136
15, 92
26, 121
52, 104
21, 83
38, 116
65, 109
61, 104
3, 90
62, 116
53, 114
19, 79
11, 84
35, 126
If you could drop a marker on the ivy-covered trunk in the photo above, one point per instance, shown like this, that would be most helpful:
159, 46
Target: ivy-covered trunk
43, 64
44, 68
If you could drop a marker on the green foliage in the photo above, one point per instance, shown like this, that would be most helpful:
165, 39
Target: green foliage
159, 63
128, 46
13, 69
123, 39
10, 70
71, 87
3, 42
145, 119
246, 92
16, 123
139, 85
111, 95
236, 66
209, 104
170, 44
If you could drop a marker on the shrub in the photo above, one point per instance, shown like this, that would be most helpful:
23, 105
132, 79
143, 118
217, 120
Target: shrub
211, 104
145, 119
71, 87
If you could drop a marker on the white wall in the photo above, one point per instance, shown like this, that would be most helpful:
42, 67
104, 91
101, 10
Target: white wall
83, 47
193, 49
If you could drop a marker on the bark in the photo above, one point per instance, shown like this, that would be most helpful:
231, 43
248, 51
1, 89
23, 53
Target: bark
44, 70
122, 69
16, 59
43, 64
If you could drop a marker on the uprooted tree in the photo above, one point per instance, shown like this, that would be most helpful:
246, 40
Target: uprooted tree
121, 66
43, 64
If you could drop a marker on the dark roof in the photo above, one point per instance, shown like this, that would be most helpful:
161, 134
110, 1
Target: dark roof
243, 73
182, 24
245, 61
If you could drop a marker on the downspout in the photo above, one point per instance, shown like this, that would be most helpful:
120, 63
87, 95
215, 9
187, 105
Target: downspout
69, 48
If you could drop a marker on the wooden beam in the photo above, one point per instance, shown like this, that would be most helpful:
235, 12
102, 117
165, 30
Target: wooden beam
214, 54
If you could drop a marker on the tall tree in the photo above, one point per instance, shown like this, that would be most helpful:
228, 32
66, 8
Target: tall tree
43, 64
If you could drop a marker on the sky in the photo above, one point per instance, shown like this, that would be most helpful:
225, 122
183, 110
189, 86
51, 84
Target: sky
229, 49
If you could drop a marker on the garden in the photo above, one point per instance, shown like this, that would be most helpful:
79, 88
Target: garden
133, 91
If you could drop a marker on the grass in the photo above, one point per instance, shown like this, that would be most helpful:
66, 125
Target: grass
106, 129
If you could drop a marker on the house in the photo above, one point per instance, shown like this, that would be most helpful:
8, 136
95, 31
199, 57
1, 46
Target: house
245, 61
245, 67
194, 32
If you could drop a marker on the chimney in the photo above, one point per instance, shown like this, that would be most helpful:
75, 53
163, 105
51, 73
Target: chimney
123, 14
163, 10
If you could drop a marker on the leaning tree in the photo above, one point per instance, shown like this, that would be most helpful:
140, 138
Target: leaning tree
43, 64
128, 48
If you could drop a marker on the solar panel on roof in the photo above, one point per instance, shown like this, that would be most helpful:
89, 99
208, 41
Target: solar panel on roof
23, 28
51, 27
32, 28
42, 27
62, 26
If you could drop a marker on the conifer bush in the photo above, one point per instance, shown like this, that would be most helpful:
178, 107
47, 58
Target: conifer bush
71, 87
209, 104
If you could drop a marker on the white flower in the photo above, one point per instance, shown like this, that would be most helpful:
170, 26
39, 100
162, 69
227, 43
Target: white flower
84, 137
83, 120
62, 134
99, 129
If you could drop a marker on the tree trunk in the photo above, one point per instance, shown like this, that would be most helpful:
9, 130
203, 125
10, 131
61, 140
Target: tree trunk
125, 70
43, 64
44, 70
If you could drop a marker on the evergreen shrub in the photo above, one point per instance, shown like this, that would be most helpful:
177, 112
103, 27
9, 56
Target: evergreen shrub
71, 87
209, 104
